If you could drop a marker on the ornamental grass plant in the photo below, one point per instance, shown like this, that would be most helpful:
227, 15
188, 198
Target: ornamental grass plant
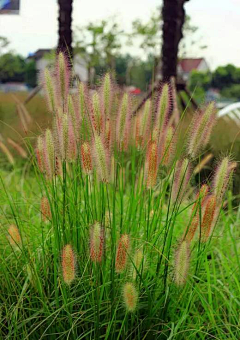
111, 237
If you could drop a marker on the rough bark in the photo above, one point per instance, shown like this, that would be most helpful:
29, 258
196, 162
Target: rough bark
173, 15
65, 27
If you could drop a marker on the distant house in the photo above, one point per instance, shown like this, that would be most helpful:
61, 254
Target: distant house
186, 66
40, 57
13, 87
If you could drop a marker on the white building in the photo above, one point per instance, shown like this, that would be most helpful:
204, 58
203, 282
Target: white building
42, 61
186, 66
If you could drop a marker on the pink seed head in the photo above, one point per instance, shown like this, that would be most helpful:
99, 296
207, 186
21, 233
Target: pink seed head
14, 236
72, 143
175, 113
151, 164
138, 137
200, 130
143, 123
101, 158
200, 199
108, 134
68, 264
97, 240
182, 263
169, 146
221, 178
107, 94
192, 229
63, 78
50, 90
195, 216
123, 123
97, 116
163, 108
39, 153
122, 253
86, 158
63, 134
75, 117
45, 209
181, 179
83, 99
130, 296
49, 153
208, 218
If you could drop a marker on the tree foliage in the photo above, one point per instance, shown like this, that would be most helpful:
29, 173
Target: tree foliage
99, 45
226, 79
12, 67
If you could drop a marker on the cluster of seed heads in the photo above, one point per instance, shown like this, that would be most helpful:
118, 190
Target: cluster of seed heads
203, 218
92, 128
97, 242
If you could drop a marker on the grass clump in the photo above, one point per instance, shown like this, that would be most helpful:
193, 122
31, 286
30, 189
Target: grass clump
110, 227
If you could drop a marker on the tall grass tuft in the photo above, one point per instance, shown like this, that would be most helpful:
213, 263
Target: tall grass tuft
130, 228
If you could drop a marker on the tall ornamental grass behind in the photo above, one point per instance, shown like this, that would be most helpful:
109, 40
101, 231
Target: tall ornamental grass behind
121, 225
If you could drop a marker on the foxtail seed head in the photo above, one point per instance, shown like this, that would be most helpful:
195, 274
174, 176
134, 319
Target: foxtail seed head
86, 158
175, 113
39, 153
200, 199
182, 263
50, 90
97, 114
49, 153
181, 179
143, 124
123, 123
14, 236
163, 108
97, 239
151, 164
201, 128
192, 229
195, 216
130, 296
101, 158
208, 218
221, 178
74, 114
63, 134
68, 264
72, 143
168, 149
107, 93
45, 209
63, 77
108, 134
122, 253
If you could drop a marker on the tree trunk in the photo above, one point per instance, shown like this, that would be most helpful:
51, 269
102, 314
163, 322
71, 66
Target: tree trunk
173, 15
64, 27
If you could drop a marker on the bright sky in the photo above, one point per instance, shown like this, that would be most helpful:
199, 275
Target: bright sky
36, 26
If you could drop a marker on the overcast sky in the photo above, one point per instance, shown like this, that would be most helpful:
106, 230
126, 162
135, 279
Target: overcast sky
36, 26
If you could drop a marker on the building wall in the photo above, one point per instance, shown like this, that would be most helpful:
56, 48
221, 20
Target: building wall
203, 66
79, 68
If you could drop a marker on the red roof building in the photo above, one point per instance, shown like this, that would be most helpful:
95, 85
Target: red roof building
186, 66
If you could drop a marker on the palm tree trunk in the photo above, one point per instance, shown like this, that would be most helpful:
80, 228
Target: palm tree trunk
173, 15
64, 27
